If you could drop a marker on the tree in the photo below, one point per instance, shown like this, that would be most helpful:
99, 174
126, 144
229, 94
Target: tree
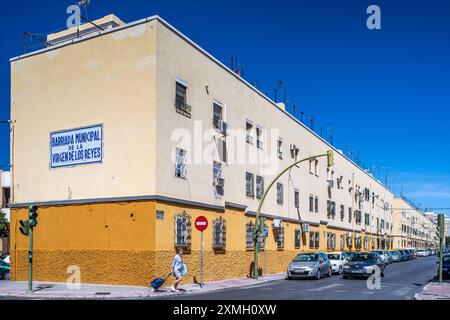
4, 225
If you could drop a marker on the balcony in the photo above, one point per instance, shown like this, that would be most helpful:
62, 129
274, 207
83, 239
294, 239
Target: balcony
183, 108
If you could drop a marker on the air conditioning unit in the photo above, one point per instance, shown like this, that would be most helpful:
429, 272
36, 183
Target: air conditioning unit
276, 223
305, 227
330, 183
223, 127
219, 182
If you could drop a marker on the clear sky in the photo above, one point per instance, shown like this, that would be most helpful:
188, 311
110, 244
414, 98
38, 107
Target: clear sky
385, 93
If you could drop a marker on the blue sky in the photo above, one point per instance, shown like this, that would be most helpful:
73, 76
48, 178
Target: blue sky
385, 93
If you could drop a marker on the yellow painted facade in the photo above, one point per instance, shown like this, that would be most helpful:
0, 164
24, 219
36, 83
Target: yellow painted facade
115, 219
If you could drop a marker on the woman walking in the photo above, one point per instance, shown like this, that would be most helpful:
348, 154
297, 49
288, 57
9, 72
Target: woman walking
177, 269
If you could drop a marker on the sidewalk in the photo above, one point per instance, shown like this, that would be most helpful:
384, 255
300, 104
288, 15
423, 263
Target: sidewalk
53, 290
434, 291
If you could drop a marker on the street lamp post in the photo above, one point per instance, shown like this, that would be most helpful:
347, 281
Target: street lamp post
257, 228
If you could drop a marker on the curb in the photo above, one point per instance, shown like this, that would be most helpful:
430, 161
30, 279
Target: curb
143, 295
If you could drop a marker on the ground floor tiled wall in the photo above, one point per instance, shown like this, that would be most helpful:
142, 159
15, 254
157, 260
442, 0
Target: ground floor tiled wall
131, 243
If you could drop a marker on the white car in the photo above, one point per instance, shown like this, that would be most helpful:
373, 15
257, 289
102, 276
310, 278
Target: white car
337, 260
422, 253
6, 259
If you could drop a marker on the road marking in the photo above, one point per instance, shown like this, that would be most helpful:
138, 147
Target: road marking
368, 292
340, 291
326, 287
401, 291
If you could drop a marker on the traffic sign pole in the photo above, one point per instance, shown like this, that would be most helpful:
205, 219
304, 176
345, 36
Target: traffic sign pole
201, 259
201, 223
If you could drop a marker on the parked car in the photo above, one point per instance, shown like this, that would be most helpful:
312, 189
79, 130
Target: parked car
337, 260
384, 257
5, 258
390, 258
422, 253
396, 256
404, 255
363, 265
309, 265
4, 270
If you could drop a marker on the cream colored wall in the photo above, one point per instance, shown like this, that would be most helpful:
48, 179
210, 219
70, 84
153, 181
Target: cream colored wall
178, 59
107, 80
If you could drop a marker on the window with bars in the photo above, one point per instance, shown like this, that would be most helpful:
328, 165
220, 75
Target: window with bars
183, 230
180, 163
298, 238
259, 187
331, 241
331, 209
280, 237
342, 241
249, 184
314, 240
218, 181
180, 94
219, 233
358, 217
279, 193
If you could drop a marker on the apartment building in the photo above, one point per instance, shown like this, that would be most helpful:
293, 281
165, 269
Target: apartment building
434, 217
5, 186
412, 227
140, 132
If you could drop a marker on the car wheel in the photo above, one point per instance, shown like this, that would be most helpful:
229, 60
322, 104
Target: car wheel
329, 272
318, 274
289, 278
6, 276
341, 271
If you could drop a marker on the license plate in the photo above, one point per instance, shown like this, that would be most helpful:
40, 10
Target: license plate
357, 271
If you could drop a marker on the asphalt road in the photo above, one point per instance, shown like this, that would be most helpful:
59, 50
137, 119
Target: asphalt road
402, 281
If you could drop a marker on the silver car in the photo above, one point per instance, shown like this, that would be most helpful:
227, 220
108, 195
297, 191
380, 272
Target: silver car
309, 265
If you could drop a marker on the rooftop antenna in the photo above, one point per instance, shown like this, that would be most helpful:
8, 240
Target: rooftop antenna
85, 4
311, 120
301, 116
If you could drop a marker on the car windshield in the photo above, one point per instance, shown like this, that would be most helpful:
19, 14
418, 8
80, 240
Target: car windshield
363, 258
395, 253
306, 257
333, 256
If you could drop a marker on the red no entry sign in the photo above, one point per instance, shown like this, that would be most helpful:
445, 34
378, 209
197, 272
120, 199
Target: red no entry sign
201, 223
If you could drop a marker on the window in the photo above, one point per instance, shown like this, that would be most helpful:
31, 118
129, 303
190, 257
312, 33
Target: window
219, 232
279, 193
339, 182
217, 114
280, 237
314, 240
259, 142
294, 151
366, 219
382, 224
218, 181
248, 131
342, 212
331, 241
297, 198
259, 187
331, 209
342, 241
316, 204
314, 167
298, 238
249, 235
180, 94
350, 215
249, 185
180, 163
279, 148
182, 230
358, 217
311, 203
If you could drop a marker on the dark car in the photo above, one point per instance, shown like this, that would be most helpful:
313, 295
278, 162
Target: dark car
363, 265
445, 265
4, 270
407, 255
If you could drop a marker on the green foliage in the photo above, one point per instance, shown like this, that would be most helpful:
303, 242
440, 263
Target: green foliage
4, 225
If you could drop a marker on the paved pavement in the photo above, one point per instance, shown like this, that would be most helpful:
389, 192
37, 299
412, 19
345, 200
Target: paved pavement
435, 291
402, 281
11, 290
